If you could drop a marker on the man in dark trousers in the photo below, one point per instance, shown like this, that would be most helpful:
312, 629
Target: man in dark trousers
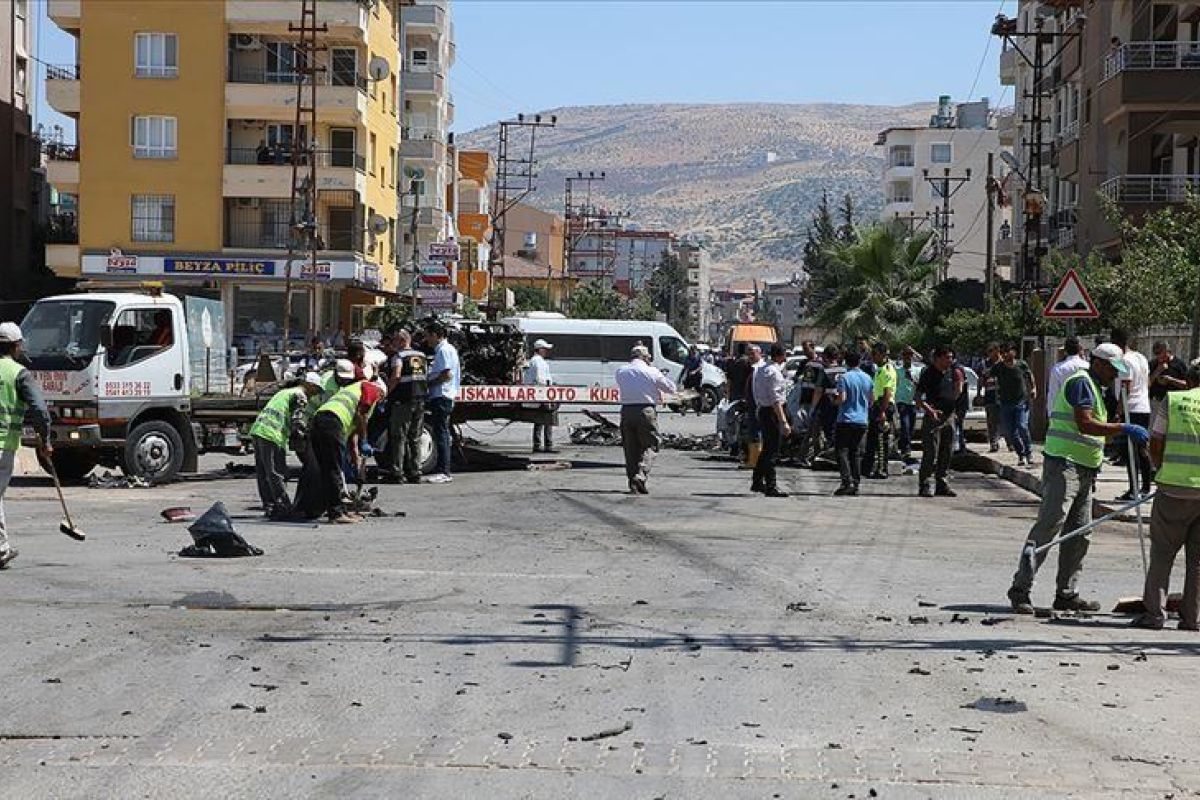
280, 425
407, 375
770, 394
938, 389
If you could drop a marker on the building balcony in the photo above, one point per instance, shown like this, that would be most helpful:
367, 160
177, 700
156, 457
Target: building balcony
1008, 67
1064, 237
414, 82
1149, 75
66, 14
342, 17
249, 173
1006, 129
1150, 189
427, 18
62, 89
428, 149
63, 175
897, 207
248, 231
259, 95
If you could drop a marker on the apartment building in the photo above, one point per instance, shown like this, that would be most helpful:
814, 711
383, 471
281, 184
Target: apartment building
783, 301
476, 176
186, 122
18, 153
694, 258
924, 164
624, 255
428, 113
534, 253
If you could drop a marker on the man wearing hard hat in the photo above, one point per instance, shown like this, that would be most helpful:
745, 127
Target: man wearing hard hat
281, 423
19, 395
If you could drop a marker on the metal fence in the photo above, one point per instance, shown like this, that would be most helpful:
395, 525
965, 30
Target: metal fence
282, 156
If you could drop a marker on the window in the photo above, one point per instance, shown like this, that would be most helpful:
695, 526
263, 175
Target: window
156, 55
420, 60
154, 137
941, 153
345, 66
392, 162
902, 156
900, 192
673, 349
153, 218
140, 333
282, 60
371, 154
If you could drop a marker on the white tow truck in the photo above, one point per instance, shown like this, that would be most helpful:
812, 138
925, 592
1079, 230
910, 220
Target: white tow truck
127, 375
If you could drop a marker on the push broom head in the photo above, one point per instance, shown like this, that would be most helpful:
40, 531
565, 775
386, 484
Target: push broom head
68, 529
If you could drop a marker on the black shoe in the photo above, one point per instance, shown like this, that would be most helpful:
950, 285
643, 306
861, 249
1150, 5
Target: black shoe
413, 479
640, 485
772, 491
944, 490
1147, 623
843, 490
8, 556
757, 487
1125, 498
925, 492
1021, 604
854, 490
1073, 602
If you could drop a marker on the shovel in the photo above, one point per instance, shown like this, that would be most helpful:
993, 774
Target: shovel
66, 526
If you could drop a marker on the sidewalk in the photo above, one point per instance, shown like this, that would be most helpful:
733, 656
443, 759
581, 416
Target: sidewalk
1113, 481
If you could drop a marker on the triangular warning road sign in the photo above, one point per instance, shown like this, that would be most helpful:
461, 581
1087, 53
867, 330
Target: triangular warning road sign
1071, 300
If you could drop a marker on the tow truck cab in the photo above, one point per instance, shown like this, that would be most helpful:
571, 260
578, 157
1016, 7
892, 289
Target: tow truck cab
115, 372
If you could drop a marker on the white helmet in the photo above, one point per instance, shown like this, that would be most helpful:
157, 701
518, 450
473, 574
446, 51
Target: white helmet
10, 332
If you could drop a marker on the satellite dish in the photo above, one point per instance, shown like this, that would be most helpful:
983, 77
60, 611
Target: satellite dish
415, 173
379, 69
379, 224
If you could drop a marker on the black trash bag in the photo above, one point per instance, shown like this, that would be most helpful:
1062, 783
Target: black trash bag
215, 537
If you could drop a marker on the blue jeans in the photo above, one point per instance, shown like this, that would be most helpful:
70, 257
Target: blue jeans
1016, 427
440, 409
908, 423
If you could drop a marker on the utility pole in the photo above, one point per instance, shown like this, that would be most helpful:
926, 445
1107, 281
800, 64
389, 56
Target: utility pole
515, 177
303, 214
947, 186
416, 246
912, 221
989, 263
577, 217
1033, 246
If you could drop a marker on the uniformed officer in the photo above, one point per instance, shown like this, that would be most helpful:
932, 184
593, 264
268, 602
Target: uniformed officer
1175, 520
19, 395
1073, 454
282, 423
407, 389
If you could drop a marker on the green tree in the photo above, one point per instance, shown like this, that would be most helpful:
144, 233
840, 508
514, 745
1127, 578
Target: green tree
643, 307
821, 236
969, 331
846, 216
883, 284
531, 298
596, 299
667, 288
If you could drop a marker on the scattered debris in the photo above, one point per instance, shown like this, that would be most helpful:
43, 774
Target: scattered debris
604, 433
881, 618
994, 620
266, 687
215, 537
547, 466
960, 729
260, 709
1042, 613
1140, 657
751, 725
833, 746
235, 470
690, 740
959, 618
239, 707
106, 480
799, 606
926, 604
1137, 760
504, 735
52, 680
608, 733
1000, 705
178, 514
918, 620
1113, 667
919, 671
674, 441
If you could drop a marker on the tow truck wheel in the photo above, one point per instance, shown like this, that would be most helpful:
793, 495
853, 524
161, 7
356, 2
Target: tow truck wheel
73, 465
153, 451
711, 399
426, 451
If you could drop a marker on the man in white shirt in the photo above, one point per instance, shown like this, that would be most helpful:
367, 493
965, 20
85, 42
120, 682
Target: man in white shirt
642, 387
445, 374
770, 392
537, 373
1136, 388
1072, 362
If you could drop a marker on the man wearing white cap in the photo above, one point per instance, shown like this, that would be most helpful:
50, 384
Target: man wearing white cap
279, 425
537, 373
19, 394
642, 388
1073, 454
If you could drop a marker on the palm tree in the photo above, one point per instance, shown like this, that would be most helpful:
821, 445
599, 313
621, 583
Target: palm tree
883, 282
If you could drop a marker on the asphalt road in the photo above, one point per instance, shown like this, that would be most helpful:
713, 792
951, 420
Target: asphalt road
543, 634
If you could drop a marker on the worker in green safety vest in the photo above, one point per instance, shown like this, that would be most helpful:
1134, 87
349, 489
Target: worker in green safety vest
281, 424
1175, 520
340, 425
19, 395
1073, 454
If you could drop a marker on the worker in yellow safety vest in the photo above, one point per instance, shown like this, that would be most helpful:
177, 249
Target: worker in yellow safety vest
1175, 520
1073, 454
281, 424
19, 396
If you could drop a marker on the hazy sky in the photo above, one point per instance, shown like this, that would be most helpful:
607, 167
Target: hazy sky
530, 55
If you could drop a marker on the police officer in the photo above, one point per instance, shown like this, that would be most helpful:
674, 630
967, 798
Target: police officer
407, 388
1175, 520
282, 423
1073, 454
19, 395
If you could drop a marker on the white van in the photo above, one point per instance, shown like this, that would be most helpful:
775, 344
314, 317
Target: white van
589, 351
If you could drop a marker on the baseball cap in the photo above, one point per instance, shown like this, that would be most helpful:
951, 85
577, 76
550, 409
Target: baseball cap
10, 332
542, 344
313, 378
640, 351
1112, 354
344, 368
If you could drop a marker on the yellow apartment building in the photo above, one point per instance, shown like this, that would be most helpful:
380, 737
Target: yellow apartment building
185, 113
476, 176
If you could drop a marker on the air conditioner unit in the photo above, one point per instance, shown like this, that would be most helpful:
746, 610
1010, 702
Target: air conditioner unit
247, 202
246, 41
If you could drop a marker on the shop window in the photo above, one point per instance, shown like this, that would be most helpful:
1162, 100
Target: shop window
139, 334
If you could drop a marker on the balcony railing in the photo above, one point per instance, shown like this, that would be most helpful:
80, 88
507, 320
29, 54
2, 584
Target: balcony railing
57, 151
899, 198
282, 157
901, 161
1068, 133
254, 232
62, 229
1140, 56
324, 78
1150, 188
62, 72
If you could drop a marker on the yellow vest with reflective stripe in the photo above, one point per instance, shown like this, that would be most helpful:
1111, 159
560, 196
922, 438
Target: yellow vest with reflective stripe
274, 422
344, 405
1063, 438
12, 407
1181, 455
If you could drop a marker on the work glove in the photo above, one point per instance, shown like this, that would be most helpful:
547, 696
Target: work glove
1135, 432
366, 450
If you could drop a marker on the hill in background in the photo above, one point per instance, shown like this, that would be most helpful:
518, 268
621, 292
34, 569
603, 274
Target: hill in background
744, 177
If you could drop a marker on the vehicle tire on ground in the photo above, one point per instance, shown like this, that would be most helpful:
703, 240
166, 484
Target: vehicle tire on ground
427, 454
153, 451
711, 399
73, 464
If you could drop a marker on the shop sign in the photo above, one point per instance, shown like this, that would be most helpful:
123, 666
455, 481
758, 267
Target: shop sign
591, 395
368, 275
433, 274
118, 262
436, 298
443, 251
219, 266
324, 271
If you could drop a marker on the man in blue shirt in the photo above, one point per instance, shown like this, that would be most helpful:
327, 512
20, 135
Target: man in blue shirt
443, 381
854, 399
